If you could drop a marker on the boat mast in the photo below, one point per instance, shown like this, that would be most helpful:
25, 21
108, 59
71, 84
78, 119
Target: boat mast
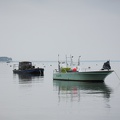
58, 64
66, 62
71, 61
79, 61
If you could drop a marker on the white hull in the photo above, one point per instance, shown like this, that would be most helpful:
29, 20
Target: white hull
82, 76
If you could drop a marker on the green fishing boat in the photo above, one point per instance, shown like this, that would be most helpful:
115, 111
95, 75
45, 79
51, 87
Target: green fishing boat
73, 74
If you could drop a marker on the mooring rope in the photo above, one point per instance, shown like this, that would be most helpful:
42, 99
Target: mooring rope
117, 75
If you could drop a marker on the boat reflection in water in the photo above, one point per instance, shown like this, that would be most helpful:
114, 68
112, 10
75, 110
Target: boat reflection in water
74, 90
29, 78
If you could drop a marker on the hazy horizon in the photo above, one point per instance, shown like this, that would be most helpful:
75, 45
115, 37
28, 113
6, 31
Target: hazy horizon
40, 30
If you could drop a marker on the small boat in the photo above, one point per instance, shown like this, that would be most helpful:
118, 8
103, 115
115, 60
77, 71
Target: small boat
26, 67
74, 74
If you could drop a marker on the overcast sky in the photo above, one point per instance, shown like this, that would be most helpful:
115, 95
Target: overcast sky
42, 29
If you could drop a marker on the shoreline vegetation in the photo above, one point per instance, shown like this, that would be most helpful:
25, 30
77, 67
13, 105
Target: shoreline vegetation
5, 59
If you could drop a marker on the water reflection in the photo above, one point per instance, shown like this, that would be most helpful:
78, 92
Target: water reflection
73, 90
28, 78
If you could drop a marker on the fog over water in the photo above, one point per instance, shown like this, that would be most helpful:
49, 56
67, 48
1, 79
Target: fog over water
40, 30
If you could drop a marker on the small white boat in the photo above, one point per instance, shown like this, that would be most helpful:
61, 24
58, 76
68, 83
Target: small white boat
73, 74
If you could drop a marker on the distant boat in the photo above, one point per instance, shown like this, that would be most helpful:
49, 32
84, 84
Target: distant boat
74, 74
26, 67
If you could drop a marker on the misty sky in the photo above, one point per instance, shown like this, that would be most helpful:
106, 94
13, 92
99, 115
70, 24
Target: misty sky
42, 29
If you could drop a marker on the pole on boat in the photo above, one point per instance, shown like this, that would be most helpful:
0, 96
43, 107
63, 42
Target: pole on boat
71, 61
66, 62
71, 64
79, 61
58, 64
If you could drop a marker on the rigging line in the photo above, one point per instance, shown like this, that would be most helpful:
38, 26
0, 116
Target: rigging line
117, 75
119, 79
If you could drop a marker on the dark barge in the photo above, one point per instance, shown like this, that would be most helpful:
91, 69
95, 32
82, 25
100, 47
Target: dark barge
26, 67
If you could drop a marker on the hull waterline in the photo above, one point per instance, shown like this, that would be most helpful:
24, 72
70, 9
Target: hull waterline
98, 76
39, 71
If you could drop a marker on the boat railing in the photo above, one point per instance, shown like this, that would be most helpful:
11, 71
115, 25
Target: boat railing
15, 66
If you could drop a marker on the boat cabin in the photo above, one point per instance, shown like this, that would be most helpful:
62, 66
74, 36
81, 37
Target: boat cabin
25, 65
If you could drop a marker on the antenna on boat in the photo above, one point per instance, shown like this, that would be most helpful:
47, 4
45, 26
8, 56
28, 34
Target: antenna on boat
66, 61
79, 61
71, 60
58, 63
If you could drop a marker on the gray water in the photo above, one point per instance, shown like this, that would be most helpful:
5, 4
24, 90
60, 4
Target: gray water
41, 98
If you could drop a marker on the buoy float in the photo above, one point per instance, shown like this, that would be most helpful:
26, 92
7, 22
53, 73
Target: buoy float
74, 69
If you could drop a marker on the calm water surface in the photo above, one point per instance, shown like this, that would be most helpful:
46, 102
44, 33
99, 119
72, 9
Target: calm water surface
41, 98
